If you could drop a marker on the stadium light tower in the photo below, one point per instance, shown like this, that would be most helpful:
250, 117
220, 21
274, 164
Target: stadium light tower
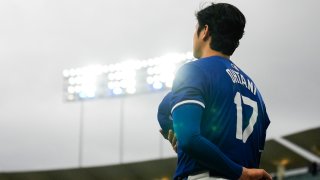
125, 78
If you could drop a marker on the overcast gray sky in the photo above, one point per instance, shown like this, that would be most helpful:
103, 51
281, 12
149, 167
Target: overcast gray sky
40, 38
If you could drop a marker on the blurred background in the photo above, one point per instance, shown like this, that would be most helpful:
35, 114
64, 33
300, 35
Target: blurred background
52, 129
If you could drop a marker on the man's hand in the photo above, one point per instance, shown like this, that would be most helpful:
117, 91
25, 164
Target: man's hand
171, 138
253, 174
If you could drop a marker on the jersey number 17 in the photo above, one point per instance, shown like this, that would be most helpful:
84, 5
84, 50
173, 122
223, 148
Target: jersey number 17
240, 134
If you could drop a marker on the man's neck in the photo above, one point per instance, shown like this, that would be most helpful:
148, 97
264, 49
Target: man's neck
210, 52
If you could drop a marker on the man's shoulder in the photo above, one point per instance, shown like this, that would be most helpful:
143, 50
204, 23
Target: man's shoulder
193, 67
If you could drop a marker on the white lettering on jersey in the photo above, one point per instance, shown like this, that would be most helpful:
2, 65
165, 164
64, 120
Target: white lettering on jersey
238, 78
243, 81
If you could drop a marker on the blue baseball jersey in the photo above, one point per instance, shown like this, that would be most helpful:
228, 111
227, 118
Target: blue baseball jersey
234, 115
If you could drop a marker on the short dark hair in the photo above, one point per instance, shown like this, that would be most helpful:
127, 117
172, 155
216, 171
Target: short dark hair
226, 26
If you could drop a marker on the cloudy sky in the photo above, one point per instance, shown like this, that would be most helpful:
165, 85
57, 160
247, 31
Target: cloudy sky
40, 38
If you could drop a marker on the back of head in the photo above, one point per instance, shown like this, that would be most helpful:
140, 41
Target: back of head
226, 26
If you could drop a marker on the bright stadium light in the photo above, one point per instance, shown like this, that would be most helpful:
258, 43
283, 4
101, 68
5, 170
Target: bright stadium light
117, 91
124, 78
71, 89
157, 85
72, 81
150, 80
72, 72
65, 73
88, 83
111, 85
168, 84
70, 97
78, 80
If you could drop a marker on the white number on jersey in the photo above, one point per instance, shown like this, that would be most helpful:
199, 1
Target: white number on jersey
244, 135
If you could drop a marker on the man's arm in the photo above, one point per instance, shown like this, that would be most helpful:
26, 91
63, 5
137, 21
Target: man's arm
187, 120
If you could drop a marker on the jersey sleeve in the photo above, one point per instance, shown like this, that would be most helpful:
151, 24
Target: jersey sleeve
164, 115
188, 86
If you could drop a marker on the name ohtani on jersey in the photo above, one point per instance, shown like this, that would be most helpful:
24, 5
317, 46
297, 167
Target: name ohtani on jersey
237, 77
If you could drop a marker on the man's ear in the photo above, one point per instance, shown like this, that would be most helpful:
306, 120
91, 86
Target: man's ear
206, 33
